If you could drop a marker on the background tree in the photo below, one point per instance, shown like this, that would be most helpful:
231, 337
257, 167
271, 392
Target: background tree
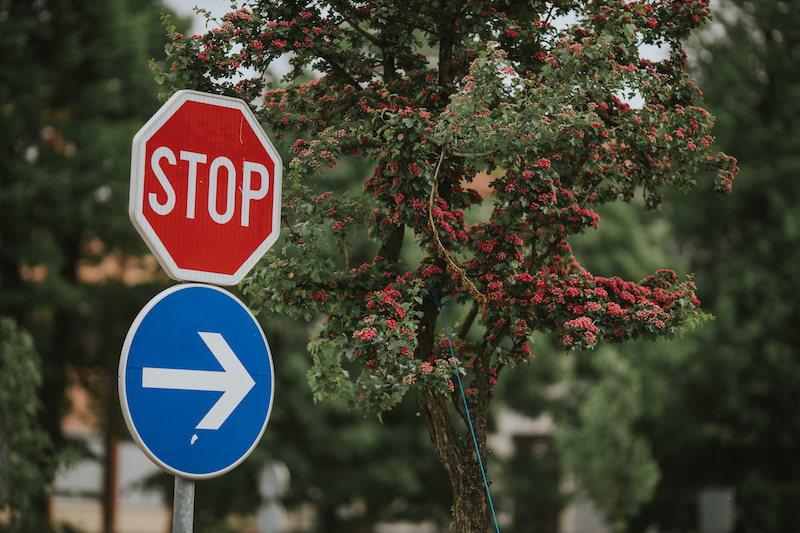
74, 87
506, 89
27, 458
730, 415
581, 393
601, 449
532, 479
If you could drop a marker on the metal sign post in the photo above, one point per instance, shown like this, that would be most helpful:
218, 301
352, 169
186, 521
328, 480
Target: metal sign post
183, 506
195, 375
196, 386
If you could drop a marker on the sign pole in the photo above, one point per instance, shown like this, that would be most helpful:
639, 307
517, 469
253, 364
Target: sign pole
183, 506
187, 143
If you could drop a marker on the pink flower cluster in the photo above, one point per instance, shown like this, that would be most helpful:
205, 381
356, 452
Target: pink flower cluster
365, 334
581, 326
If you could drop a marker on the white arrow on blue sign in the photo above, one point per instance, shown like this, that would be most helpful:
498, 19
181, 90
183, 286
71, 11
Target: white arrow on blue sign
196, 381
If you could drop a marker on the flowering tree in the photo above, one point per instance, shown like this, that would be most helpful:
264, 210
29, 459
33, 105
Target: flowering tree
435, 92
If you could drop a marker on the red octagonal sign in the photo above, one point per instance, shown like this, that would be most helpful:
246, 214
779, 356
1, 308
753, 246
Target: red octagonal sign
205, 188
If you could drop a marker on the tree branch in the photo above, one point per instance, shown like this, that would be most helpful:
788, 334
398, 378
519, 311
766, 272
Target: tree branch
295, 235
589, 192
370, 37
446, 41
390, 249
377, 41
339, 71
465, 281
449, 447
470, 318
481, 154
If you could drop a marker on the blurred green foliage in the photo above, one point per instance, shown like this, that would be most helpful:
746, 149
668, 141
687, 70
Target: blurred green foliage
74, 88
730, 412
27, 458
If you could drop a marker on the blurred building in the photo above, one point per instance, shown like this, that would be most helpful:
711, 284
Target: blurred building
78, 492
519, 435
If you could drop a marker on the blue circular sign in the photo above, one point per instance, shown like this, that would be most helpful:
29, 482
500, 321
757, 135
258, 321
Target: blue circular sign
196, 381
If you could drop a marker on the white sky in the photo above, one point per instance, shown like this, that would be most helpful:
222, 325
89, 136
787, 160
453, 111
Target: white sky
218, 8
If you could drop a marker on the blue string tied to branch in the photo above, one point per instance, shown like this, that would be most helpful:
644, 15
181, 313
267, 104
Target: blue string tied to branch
440, 305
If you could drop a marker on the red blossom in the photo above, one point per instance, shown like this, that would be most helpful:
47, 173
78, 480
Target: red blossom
554, 165
365, 334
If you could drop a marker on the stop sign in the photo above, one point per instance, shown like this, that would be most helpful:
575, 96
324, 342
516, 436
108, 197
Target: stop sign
205, 188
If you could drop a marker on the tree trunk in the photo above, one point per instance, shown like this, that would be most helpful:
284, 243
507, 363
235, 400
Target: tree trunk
110, 478
457, 455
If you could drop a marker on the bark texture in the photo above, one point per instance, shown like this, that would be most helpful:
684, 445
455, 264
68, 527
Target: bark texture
458, 456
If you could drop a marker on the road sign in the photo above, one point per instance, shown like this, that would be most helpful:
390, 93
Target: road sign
196, 381
205, 188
